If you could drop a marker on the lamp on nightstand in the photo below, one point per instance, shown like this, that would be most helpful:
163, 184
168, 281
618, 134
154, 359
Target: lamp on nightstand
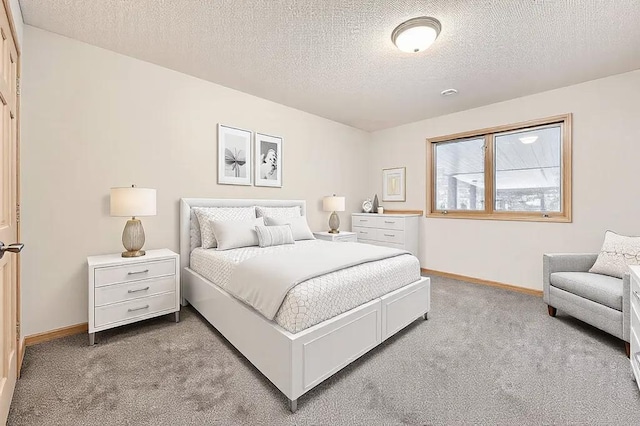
333, 204
131, 202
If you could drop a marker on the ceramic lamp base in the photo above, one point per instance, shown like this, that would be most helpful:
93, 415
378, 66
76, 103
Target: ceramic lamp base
133, 238
334, 223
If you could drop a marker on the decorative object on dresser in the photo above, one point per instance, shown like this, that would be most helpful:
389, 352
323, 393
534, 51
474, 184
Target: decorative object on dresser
127, 290
380, 210
374, 206
393, 184
268, 151
390, 230
367, 206
131, 202
634, 332
333, 204
343, 236
234, 156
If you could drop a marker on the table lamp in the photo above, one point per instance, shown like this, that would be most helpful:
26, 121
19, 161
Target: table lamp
133, 201
333, 204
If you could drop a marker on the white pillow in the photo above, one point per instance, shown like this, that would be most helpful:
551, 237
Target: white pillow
207, 214
299, 227
233, 234
616, 254
274, 235
278, 211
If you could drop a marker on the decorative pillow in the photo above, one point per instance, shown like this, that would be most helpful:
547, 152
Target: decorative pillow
233, 234
616, 254
274, 235
299, 227
207, 214
279, 212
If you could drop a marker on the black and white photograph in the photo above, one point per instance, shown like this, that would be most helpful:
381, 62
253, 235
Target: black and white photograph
268, 168
234, 156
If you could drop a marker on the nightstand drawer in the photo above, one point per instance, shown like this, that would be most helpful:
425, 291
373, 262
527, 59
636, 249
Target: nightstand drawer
391, 236
345, 237
118, 312
134, 290
134, 271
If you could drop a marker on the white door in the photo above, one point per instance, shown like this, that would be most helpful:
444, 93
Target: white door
9, 290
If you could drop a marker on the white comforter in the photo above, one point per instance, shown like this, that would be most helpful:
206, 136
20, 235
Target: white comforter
320, 298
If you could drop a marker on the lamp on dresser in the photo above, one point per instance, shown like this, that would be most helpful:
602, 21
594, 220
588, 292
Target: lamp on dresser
333, 204
133, 202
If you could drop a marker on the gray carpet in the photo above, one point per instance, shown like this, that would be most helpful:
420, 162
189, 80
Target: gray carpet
485, 356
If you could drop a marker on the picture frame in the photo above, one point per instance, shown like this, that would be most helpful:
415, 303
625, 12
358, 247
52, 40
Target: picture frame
268, 160
234, 155
394, 186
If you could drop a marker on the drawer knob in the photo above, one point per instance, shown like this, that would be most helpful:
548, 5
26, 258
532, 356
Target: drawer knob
635, 293
140, 289
637, 356
389, 221
389, 235
138, 272
138, 309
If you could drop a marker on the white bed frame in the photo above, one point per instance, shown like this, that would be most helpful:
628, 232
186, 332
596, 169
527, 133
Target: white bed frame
295, 363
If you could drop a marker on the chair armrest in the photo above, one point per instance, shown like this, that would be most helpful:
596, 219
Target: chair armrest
626, 307
564, 262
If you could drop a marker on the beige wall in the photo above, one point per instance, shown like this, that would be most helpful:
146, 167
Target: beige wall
606, 183
94, 119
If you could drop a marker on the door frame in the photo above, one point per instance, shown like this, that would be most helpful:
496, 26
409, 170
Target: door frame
16, 41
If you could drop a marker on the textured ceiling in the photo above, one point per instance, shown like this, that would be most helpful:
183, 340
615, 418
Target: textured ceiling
334, 58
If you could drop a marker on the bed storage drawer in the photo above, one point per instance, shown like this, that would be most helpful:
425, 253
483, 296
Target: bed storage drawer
124, 311
404, 306
134, 271
134, 290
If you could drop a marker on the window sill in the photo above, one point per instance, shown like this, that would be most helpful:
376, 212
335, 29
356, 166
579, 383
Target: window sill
557, 218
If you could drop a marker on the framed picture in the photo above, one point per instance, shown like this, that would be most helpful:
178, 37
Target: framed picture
268, 165
234, 156
393, 184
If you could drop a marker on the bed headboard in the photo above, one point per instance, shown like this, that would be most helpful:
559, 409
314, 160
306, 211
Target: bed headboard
185, 216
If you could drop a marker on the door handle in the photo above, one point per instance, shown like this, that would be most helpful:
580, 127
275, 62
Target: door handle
13, 248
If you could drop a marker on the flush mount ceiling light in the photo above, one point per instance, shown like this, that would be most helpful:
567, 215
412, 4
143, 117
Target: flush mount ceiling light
449, 92
417, 34
528, 139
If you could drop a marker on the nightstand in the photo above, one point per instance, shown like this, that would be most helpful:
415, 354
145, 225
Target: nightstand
123, 290
343, 236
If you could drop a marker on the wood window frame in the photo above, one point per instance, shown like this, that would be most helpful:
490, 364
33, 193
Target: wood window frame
489, 213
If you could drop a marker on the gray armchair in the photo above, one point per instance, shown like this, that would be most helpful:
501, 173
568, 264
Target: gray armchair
599, 300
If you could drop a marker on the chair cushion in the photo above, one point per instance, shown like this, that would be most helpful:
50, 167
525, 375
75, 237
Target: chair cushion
598, 288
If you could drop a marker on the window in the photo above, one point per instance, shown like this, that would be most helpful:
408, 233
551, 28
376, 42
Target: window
515, 172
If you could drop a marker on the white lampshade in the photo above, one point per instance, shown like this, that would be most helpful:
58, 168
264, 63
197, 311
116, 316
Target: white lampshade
333, 204
133, 201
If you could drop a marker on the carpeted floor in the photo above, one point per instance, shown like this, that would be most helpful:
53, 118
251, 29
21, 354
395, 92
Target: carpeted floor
485, 356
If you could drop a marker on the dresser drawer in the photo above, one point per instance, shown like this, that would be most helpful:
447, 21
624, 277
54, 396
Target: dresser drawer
365, 233
346, 238
124, 311
369, 221
634, 356
635, 292
134, 290
134, 271
390, 236
391, 223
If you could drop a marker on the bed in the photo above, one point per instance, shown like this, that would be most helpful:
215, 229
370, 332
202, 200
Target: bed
323, 323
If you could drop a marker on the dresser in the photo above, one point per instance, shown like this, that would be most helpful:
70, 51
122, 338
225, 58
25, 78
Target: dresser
125, 290
634, 357
341, 237
390, 230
